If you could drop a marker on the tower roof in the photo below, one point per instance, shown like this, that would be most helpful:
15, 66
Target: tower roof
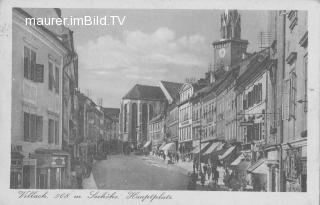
145, 92
230, 25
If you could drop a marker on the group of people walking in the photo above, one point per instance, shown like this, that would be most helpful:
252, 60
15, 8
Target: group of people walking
207, 172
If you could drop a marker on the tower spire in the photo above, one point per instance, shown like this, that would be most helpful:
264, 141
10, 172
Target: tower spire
230, 25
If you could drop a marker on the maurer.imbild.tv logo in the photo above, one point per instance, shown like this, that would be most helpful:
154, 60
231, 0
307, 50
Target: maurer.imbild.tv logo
78, 21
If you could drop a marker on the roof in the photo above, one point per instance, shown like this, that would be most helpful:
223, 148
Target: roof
156, 118
48, 31
172, 88
257, 64
145, 92
111, 112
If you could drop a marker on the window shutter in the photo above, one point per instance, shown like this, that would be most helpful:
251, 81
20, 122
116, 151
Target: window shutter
33, 65
26, 126
39, 128
57, 79
56, 132
50, 76
50, 130
33, 128
39, 74
286, 100
26, 61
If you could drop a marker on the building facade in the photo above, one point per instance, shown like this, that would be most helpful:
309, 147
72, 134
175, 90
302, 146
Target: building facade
38, 160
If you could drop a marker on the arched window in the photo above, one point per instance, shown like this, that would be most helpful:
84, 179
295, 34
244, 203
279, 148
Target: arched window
125, 118
150, 112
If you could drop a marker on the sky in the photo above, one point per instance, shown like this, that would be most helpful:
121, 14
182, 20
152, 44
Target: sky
150, 46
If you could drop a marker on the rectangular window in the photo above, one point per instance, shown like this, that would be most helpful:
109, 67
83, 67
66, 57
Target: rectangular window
32, 127
29, 64
50, 76
56, 80
50, 131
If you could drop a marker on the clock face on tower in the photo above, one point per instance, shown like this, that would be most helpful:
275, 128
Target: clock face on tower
222, 52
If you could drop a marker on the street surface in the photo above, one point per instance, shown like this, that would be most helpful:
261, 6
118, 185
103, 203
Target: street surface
138, 172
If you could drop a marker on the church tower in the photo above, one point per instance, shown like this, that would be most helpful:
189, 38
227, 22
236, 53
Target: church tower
229, 50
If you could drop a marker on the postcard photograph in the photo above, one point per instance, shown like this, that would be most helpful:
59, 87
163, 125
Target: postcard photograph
159, 99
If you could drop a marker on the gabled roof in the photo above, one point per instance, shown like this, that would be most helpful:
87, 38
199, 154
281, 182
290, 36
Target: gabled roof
145, 92
172, 88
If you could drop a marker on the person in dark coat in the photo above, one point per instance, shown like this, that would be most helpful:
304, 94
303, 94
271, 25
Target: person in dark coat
205, 169
209, 172
202, 178
216, 175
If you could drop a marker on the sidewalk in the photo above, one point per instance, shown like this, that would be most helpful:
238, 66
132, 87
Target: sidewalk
187, 168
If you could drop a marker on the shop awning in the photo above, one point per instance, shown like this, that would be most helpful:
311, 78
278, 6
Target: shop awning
237, 161
214, 147
196, 150
260, 167
147, 144
227, 153
170, 147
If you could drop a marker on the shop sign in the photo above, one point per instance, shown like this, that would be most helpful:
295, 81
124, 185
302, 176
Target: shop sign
58, 161
246, 124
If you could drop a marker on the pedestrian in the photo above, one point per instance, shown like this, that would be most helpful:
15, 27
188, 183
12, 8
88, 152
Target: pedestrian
202, 178
177, 157
164, 156
205, 169
216, 176
209, 172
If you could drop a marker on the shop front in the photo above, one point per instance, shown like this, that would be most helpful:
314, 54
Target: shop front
185, 150
16, 170
295, 169
259, 174
51, 170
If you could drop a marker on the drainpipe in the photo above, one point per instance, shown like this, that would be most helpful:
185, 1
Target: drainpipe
281, 98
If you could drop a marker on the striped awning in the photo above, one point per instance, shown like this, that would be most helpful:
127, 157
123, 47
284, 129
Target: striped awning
227, 153
196, 150
216, 146
260, 167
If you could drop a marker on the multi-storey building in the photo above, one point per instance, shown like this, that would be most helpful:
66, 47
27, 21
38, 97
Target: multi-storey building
290, 31
157, 132
86, 143
254, 99
186, 142
171, 91
111, 119
39, 56
288, 135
